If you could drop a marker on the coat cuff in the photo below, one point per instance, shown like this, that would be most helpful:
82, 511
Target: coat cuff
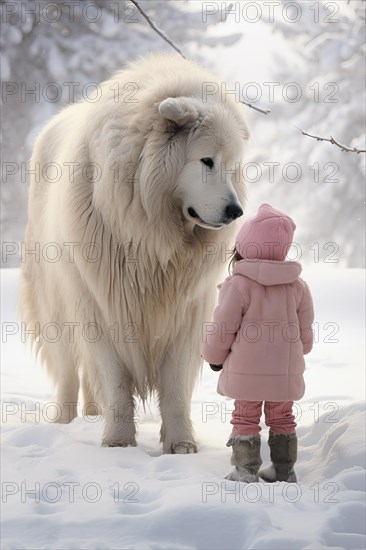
214, 356
307, 348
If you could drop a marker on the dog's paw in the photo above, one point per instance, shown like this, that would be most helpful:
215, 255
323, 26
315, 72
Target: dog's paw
119, 443
242, 475
183, 448
65, 415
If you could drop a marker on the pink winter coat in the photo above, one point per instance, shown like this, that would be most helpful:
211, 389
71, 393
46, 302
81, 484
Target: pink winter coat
261, 330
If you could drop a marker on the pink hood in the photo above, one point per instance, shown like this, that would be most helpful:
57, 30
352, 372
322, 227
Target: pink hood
268, 272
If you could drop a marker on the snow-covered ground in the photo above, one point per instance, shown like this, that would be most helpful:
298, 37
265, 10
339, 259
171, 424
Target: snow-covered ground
61, 489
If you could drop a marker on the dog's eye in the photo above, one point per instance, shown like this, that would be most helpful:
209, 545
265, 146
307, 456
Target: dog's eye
208, 162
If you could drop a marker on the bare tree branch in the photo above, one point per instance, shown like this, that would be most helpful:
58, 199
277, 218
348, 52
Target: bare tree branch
264, 111
171, 43
156, 28
334, 142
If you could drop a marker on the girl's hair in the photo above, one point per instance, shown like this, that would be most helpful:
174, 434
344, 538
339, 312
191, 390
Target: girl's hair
234, 257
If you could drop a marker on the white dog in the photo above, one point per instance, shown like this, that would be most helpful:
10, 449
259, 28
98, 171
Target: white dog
131, 200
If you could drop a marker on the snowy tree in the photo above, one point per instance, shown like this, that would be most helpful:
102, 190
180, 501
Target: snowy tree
316, 70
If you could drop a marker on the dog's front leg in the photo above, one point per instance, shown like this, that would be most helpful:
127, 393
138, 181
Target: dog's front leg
175, 387
115, 388
119, 411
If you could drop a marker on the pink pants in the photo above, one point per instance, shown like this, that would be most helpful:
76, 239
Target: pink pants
247, 414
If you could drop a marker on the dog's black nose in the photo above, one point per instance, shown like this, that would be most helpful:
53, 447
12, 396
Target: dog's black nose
233, 211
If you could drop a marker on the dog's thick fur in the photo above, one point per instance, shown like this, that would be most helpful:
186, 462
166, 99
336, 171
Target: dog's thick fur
120, 296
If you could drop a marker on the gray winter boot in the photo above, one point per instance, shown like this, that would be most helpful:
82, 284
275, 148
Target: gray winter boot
246, 458
283, 450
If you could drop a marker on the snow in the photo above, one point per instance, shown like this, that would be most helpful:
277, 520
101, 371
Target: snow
61, 489
86, 496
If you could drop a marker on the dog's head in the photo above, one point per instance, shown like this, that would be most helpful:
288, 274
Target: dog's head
198, 150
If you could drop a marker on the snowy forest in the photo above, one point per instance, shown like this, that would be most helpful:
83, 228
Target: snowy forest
303, 61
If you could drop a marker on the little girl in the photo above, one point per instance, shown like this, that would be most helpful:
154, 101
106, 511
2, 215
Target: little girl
262, 329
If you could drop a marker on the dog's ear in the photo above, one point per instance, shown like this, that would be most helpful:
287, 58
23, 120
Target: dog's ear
180, 110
